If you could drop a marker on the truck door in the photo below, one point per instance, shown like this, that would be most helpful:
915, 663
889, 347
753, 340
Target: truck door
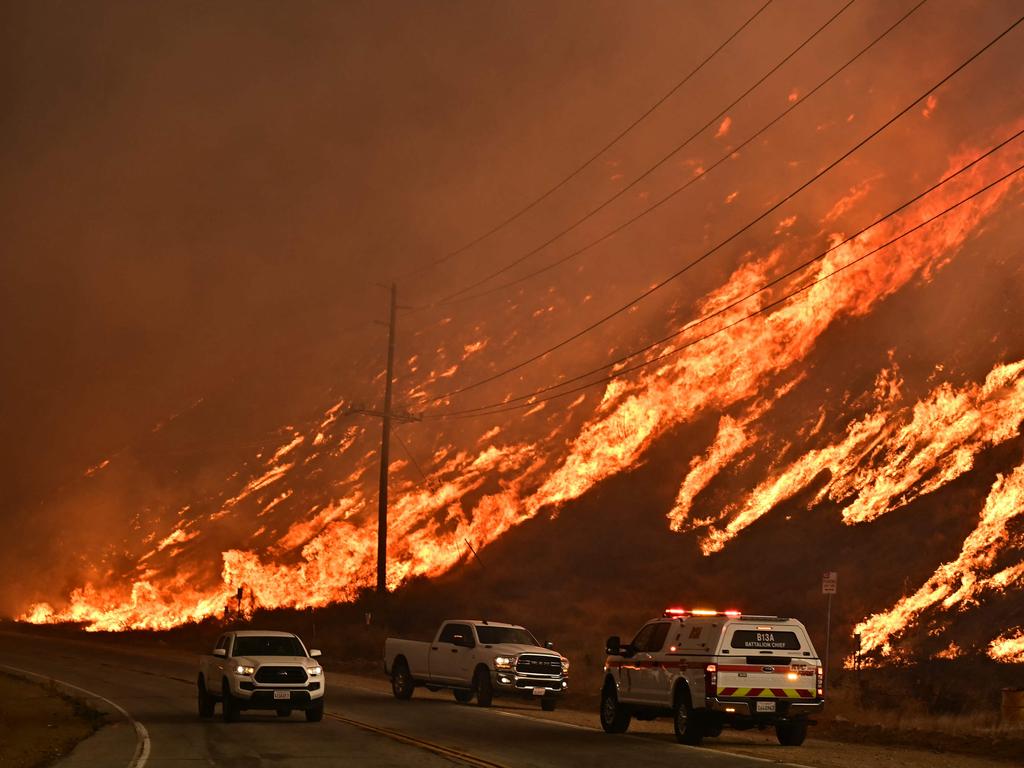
215, 676
447, 652
630, 684
465, 660
650, 680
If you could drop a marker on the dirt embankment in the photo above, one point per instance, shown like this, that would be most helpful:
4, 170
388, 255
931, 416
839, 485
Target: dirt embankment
39, 724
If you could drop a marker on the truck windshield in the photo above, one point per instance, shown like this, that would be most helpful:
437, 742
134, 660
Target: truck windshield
269, 645
500, 635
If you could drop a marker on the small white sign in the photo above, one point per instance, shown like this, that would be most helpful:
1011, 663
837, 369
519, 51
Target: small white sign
829, 583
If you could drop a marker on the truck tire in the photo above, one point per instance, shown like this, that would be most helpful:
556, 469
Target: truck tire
792, 732
229, 706
614, 717
401, 680
315, 713
482, 687
548, 703
687, 723
462, 696
205, 700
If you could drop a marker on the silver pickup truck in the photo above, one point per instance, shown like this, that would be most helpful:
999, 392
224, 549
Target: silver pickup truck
478, 659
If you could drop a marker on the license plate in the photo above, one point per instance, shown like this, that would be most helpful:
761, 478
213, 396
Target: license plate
766, 706
539, 691
282, 694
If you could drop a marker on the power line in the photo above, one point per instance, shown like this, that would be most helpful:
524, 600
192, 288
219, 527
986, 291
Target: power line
675, 150
412, 458
586, 163
531, 397
762, 310
775, 206
692, 180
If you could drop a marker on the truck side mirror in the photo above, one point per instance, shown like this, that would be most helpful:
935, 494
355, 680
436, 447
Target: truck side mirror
549, 645
222, 652
314, 653
613, 646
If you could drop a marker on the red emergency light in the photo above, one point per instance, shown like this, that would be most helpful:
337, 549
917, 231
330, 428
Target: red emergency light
676, 613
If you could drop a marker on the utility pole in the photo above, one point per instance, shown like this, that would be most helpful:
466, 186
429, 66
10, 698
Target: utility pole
385, 450
387, 415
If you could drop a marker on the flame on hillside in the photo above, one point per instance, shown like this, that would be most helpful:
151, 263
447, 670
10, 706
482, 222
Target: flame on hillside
963, 581
1008, 647
325, 552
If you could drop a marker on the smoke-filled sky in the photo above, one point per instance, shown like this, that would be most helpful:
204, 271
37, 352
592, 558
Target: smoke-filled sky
200, 199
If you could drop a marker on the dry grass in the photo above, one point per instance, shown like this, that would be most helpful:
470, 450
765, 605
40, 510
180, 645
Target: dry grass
39, 724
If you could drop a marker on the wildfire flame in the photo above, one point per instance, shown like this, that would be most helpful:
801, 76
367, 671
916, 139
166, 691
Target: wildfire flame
883, 460
1008, 647
961, 581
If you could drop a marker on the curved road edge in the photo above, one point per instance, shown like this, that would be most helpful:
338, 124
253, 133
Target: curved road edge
142, 742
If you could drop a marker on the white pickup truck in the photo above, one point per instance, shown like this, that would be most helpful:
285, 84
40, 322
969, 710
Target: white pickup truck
708, 669
261, 670
478, 658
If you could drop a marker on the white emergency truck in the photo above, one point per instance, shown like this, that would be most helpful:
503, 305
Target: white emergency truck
708, 669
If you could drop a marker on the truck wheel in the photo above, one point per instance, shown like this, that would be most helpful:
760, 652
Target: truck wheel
791, 733
482, 688
548, 703
229, 705
712, 729
401, 681
614, 717
284, 713
315, 713
686, 722
462, 696
206, 702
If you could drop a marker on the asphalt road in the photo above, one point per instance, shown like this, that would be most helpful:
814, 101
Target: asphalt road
151, 700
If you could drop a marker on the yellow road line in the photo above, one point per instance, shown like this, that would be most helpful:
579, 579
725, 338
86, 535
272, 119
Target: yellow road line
437, 749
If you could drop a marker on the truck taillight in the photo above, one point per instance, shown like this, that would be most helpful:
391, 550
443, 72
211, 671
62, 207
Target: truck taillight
821, 681
711, 680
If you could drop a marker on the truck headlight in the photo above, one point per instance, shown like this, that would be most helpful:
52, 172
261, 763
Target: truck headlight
315, 671
504, 662
565, 666
243, 670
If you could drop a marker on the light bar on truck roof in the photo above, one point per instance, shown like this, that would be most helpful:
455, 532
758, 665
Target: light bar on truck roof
677, 613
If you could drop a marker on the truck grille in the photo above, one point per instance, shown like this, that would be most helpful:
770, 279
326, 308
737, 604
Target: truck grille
539, 665
282, 675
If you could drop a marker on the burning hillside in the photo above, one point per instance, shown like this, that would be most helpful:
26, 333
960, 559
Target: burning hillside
898, 450
799, 341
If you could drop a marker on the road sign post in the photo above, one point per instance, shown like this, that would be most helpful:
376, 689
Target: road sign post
829, 587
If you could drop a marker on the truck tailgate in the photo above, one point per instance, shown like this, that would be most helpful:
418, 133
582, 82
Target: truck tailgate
767, 681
